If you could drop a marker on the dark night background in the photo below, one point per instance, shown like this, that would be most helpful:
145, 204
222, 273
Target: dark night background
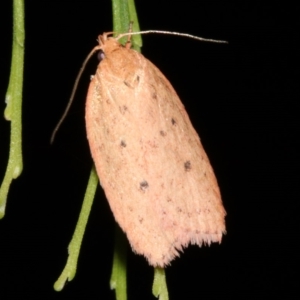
241, 98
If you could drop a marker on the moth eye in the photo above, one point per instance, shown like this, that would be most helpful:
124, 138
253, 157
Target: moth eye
100, 55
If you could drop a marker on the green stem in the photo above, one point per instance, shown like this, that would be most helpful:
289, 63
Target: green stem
74, 247
159, 287
124, 12
13, 111
118, 280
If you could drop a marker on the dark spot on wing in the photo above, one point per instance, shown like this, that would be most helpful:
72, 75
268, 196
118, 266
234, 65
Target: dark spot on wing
132, 82
144, 185
123, 109
187, 166
153, 91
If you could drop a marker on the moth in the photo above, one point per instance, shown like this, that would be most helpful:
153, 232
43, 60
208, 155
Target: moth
151, 164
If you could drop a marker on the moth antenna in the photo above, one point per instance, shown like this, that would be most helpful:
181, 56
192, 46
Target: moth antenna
73, 93
172, 33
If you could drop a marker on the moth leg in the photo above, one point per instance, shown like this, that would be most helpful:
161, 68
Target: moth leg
128, 43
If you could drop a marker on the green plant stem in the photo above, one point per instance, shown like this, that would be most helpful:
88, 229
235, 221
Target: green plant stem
118, 280
136, 40
124, 12
13, 110
74, 247
159, 287
121, 10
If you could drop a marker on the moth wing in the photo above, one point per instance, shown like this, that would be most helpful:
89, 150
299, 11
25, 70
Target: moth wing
150, 161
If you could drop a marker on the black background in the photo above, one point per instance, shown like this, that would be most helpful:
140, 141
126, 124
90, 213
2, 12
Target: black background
241, 98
